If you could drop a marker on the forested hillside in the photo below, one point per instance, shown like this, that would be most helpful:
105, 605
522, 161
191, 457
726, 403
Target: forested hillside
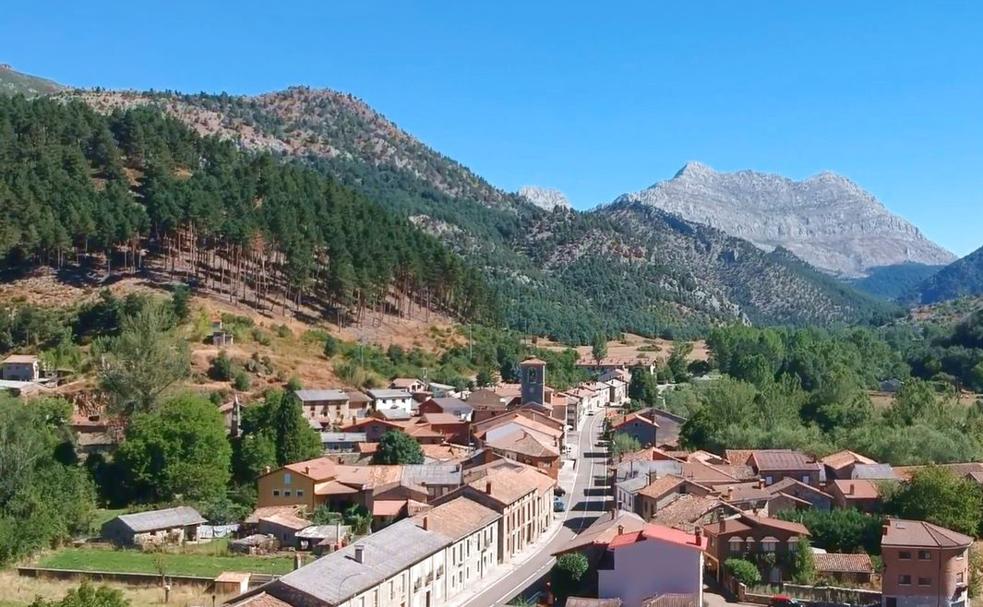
564, 274
96, 190
959, 279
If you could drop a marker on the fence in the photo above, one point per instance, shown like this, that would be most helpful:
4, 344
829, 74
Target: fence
815, 595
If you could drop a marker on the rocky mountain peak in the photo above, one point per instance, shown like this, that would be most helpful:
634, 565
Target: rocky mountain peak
826, 220
544, 198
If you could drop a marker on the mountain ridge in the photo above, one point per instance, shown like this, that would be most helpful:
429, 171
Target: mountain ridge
826, 219
564, 273
13, 82
961, 278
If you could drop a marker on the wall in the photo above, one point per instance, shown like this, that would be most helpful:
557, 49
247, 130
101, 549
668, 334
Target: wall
651, 567
277, 481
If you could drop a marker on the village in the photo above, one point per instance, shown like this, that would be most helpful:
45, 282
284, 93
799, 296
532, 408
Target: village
521, 488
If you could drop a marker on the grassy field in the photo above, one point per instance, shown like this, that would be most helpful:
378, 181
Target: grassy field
21, 591
205, 560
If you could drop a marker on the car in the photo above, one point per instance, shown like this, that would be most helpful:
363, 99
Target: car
558, 490
558, 504
783, 600
590, 413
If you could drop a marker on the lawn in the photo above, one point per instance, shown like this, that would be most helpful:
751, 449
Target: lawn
196, 560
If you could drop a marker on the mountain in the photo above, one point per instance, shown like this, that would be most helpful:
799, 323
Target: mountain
961, 278
544, 198
893, 282
13, 82
566, 274
826, 220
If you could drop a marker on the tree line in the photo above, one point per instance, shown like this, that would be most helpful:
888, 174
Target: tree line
77, 187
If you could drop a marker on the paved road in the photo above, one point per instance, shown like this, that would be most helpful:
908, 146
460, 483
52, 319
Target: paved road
587, 501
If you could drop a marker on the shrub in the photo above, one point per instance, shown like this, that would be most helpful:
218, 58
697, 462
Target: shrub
221, 369
743, 571
241, 381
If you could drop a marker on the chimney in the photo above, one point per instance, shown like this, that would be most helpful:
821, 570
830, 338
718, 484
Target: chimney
307, 469
761, 483
298, 560
621, 529
730, 493
426, 523
266, 469
337, 531
359, 553
850, 489
698, 535
488, 487
653, 476
614, 513
885, 527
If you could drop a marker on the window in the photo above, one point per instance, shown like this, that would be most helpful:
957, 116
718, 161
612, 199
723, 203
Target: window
300, 493
287, 478
276, 493
769, 544
904, 555
924, 581
805, 478
735, 545
924, 555
904, 580
286, 493
769, 480
960, 577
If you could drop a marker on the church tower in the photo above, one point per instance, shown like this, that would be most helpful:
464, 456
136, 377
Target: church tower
533, 378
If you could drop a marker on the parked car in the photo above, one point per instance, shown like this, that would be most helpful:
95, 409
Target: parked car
558, 504
558, 490
783, 600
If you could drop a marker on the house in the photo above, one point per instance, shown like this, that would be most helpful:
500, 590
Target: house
635, 561
423, 561
322, 481
450, 405
473, 528
970, 470
924, 564
284, 526
322, 539
688, 512
452, 428
526, 436
20, 368
654, 561
861, 494
773, 465
617, 391
374, 428
342, 442
661, 492
154, 527
487, 403
391, 399
326, 408
814, 497
841, 463
393, 415
747, 534
839, 567
640, 425
631, 476
524, 498
407, 384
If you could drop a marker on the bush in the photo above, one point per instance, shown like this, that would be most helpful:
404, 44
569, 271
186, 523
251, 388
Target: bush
221, 369
330, 346
743, 571
241, 381
283, 332
261, 337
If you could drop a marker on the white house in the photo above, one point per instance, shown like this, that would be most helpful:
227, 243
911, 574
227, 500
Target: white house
391, 399
652, 562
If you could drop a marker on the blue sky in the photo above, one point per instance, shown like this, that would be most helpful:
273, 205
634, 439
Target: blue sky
593, 98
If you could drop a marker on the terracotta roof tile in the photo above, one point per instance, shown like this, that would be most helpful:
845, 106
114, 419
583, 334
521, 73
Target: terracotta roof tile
836, 562
902, 532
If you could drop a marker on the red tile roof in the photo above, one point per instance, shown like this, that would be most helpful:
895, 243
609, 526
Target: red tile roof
836, 562
660, 533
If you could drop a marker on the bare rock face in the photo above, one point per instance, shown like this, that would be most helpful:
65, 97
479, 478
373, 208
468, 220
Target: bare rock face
544, 198
826, 220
